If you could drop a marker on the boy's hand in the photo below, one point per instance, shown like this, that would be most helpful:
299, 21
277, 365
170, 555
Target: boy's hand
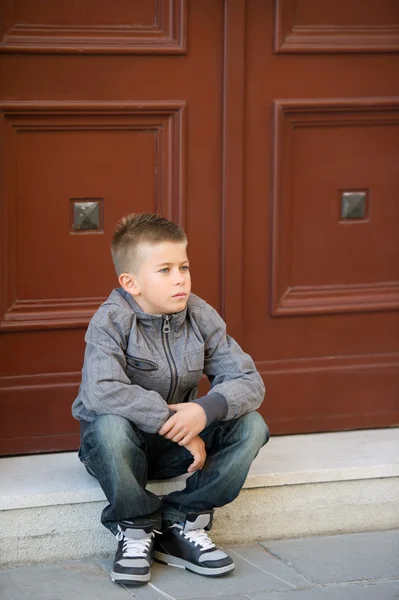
189, 421
197, 449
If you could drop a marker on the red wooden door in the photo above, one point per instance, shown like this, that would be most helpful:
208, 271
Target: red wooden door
253, 123
321, 227
106, 108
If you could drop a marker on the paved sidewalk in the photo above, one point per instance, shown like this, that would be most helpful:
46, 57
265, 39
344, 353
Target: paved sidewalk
362, 566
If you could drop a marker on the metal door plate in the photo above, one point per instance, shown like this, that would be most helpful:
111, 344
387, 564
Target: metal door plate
87, 214
353, 205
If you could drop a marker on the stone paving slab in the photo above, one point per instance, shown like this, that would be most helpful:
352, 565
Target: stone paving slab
256, 571
340, 558
345, 567
64, 581
387, 590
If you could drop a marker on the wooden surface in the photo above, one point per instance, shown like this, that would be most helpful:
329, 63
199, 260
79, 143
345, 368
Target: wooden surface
244, 120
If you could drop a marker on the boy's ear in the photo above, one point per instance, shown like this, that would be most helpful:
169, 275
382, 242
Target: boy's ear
129, 284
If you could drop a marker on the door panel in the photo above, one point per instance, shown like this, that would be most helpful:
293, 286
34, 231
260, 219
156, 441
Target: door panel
63, 162
249, 122
94, 26
110, 128
324, 289
339, 26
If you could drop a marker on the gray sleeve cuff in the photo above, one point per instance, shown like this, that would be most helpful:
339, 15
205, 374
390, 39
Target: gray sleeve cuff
214, 405
171, 413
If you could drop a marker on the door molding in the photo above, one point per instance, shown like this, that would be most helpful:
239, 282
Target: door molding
167, 121
166, 35
232, 217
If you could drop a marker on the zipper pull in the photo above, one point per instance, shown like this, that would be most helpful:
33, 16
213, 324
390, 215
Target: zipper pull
166, 326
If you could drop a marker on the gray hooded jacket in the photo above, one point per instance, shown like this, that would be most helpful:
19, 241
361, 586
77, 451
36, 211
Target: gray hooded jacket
136, 364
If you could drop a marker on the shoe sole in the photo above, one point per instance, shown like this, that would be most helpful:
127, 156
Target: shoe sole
120, 578
174, 561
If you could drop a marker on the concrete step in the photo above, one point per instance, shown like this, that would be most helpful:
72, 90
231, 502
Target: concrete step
299, 485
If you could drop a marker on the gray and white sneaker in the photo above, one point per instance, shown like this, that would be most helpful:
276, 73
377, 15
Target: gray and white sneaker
134, 554
189, 547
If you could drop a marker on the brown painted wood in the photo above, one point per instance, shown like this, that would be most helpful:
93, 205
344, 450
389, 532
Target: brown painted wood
140, 27
242, 119
324, 291
160, 129
233, 166
354, 284
89, 111
339, 26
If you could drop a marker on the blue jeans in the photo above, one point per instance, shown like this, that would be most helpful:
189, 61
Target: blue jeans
123, 459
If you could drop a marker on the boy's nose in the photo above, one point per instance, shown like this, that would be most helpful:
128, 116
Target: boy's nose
179, 277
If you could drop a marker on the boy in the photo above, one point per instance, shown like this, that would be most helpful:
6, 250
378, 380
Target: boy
147, 347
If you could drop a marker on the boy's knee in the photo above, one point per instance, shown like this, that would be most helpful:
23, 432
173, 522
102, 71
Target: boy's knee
105, 425
111, 431
255, 429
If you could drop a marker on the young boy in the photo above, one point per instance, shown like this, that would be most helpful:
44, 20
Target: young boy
147, 348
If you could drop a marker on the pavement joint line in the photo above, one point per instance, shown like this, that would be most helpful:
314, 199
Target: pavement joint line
364, 582
174, 577
128, 590
289, 564
160, 591
99, 564
264, 570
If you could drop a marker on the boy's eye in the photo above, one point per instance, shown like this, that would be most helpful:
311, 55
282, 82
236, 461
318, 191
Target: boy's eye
185, 268
164, 270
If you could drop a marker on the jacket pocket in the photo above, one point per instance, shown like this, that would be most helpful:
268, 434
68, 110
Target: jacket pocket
194, 362
142, 364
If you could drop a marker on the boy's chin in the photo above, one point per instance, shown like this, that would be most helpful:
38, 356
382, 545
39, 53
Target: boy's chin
177, 304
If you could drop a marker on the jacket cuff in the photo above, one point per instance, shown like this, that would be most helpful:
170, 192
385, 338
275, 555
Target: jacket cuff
214, 405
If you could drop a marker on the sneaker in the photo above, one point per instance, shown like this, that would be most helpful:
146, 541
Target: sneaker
134, 554
189, 547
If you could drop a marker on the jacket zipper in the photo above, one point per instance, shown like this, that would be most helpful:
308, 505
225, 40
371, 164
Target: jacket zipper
169, 357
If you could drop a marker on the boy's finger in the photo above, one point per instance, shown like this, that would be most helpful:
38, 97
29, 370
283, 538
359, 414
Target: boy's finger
195, 465
175, 432
167, 426
187, 439
199, 461
177, 437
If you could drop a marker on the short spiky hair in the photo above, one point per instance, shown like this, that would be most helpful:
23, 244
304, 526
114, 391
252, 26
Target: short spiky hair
137, 228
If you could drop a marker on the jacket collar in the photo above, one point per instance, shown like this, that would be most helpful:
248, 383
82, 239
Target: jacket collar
156, 321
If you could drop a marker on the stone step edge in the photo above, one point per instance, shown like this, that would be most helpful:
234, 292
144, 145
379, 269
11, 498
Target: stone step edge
59, 479
164, 487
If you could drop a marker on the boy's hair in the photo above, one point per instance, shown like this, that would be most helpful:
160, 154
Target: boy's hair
138, 228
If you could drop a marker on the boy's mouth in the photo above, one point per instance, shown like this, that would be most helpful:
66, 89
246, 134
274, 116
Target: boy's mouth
180, 295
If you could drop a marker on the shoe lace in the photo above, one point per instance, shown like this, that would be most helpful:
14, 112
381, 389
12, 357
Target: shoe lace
134, 547
199, 537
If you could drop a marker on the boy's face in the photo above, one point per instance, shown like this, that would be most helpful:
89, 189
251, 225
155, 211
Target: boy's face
162, 283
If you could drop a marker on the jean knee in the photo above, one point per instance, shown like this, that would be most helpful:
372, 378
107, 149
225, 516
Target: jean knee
112, 433
256, 429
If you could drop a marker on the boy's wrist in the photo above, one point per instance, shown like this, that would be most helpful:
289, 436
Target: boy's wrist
214, 405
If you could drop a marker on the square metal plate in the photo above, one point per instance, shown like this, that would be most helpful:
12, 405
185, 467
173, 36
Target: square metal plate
353, 205
87, 214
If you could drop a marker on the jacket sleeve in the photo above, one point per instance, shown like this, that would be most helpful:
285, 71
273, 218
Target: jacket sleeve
231, 372
107, 388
